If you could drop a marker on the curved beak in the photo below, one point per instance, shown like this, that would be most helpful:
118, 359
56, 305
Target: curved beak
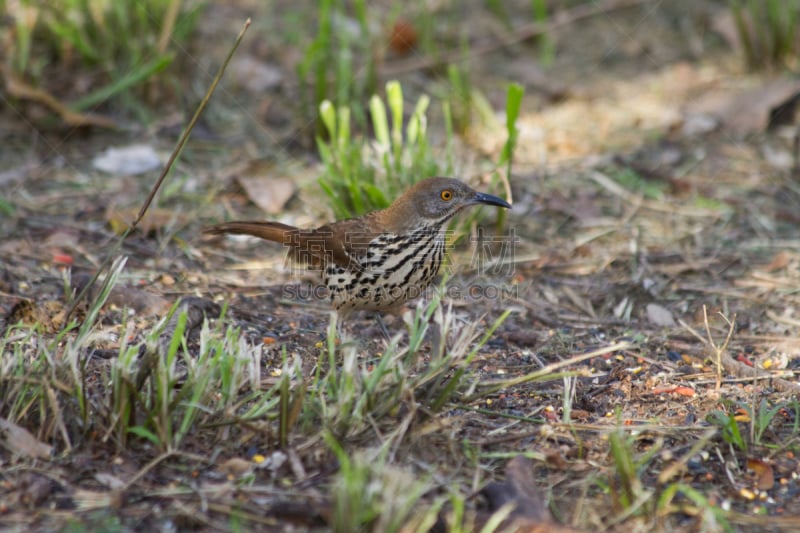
489, 199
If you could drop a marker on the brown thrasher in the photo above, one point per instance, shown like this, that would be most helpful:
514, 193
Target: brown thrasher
381, 260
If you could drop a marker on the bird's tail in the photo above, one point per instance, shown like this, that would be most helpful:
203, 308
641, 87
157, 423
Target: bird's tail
304, 246
270, 231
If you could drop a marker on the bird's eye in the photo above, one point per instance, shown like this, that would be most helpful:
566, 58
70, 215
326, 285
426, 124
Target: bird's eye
446, 195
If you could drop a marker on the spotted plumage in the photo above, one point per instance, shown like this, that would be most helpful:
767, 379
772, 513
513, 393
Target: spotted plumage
381, 260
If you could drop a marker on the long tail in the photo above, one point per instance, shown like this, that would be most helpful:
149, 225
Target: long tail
271, 231
303, 247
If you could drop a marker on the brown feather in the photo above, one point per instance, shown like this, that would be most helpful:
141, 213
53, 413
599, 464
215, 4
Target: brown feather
383, 259
343, 242
270, 231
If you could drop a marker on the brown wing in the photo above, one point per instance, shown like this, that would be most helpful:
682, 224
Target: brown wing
344, 242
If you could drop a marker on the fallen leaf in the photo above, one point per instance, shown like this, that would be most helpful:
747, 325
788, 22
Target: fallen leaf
751, 110
34, 488
679, 390
109, 480
529, 512
19, 441
128, 160
119, 218
659, 315
86, 500
270, 193
747, 494
556, 460
778, 158
765, 478
685, 391
49, 314
580, 414
63, 259
403, 37
779, 261
235, 467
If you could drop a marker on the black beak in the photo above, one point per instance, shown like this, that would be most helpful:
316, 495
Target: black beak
488, 199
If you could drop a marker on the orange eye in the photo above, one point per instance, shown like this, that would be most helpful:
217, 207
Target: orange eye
447, 195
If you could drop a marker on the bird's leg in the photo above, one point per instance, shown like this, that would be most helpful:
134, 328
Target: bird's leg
434, 335
335, 328
339, 326
346, 338
382, 324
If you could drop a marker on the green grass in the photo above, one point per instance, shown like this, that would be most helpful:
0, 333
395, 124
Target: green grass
634, 453
768, 32
366, 411
119, 46
390, 439
361, 175
634, 182
159, 390
368, 492
745, 425
347, 395
694, 503
338, 64
546, 43
729, 426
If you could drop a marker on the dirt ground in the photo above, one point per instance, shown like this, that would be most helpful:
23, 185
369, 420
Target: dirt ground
655, 204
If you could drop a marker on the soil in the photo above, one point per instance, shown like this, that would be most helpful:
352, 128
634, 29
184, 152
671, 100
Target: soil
655, 211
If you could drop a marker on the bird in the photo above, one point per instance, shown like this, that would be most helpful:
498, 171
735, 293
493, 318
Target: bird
383, 259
